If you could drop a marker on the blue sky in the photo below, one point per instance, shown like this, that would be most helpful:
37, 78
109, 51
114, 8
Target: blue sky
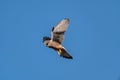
93, 39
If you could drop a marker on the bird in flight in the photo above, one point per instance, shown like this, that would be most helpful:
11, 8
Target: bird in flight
57, 36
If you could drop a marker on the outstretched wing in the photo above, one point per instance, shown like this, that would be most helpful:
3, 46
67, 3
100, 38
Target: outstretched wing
59, 30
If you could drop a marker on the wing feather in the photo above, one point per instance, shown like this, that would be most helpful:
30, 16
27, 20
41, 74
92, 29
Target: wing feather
59, 30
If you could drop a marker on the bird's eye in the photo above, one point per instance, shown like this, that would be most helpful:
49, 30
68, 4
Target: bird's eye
46, 43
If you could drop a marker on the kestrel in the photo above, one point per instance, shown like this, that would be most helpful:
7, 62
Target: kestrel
57, 36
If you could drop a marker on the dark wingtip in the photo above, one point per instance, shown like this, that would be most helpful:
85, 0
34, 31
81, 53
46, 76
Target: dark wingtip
70, 57
67, 19
52, 28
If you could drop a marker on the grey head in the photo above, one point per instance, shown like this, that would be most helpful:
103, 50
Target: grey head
46, 40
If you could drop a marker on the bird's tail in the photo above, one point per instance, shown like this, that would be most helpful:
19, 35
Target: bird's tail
63, 53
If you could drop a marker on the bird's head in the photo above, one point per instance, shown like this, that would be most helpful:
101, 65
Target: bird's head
46, 40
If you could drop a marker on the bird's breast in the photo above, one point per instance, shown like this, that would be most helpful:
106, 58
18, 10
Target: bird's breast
54, 45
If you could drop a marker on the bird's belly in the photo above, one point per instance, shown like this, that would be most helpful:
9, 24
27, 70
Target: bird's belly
55, 45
